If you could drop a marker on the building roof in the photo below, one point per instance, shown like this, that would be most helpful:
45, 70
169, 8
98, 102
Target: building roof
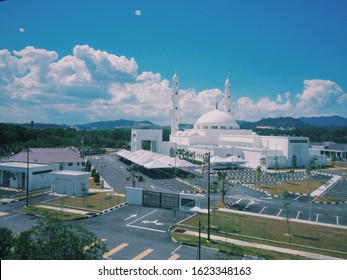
152, 160
216, 118
48, 155
70, 173
21, 165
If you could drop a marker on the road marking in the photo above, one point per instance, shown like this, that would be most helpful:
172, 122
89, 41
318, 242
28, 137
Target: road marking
94, 243
317, 217
115, 250
145, 228
132, 216
247, 206
142, 217
337, 220
174, 251
279, 212
13, 216
143, 254
174, 257
156, 222
3, 214
262, 210
297, 197
297, 216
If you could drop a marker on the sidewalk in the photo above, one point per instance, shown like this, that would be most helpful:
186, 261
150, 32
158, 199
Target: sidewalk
322, 189
264, 247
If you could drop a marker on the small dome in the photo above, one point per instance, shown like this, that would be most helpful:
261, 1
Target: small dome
216, 119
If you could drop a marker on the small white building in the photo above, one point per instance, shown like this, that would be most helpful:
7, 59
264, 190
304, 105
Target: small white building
14, 175
67, 158
70, 182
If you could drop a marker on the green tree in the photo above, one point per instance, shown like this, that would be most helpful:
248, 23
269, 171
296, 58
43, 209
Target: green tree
225, 179
6, 237
54, 239
96, 177
258, 173
133, 177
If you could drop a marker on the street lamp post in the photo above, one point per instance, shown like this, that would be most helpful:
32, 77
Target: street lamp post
27, 183
208, 158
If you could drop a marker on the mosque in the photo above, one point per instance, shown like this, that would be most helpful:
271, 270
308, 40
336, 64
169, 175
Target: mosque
218, 134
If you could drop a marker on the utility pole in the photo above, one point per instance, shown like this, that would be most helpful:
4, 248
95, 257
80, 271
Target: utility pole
208, 155
27, 181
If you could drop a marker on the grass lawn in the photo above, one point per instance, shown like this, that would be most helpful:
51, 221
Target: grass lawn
303, 187
300, 236
93, 202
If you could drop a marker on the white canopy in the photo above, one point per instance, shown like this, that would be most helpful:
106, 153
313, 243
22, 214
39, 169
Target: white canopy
152, 160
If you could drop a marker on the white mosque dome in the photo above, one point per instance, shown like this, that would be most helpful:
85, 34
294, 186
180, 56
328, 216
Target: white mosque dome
216, 119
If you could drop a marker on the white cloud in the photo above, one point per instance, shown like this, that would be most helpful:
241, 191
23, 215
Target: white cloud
21, 30
138, 12
321, 96
91, 85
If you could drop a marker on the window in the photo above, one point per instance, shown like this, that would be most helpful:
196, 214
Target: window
70, 164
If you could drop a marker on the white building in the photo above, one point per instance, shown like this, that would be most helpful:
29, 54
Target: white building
70, 182
216, 132
67, 158
14, 175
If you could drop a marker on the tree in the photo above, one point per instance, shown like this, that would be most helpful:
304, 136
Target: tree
54, 239
132, 176
225, 179
96, 177
6, 237
286, 203
258, 173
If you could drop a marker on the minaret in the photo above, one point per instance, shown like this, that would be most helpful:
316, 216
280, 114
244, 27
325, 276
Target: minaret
175, 112
227, 97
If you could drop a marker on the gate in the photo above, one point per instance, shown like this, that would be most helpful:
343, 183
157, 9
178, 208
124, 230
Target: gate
160, 200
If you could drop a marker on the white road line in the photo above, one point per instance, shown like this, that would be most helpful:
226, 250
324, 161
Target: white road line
142, 217
317, 217
297, 197
262, 210
246, 207
279, 212
9, 217
174, 251
337, 220
297, 216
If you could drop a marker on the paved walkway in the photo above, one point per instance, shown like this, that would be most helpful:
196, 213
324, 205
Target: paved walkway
322, 189
265, 247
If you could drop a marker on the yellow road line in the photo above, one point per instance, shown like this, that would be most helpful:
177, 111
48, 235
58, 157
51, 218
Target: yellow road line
115, 250
143, 254
174, 257
3, 214
94, 243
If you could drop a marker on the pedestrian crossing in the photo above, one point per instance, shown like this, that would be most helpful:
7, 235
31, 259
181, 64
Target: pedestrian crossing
118, 253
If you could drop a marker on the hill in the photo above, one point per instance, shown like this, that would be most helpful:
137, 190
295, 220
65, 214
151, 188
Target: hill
336, 121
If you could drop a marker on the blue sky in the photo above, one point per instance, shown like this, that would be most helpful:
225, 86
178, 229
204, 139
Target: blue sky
81, 61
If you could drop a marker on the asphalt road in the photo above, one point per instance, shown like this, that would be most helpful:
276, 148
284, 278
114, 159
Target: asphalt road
242, 198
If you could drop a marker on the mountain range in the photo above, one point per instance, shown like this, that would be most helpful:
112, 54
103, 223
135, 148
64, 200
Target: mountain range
281, 122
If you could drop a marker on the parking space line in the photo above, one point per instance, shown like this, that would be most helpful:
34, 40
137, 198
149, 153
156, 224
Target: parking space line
297, 197
246, 207
279, 212
115, 250
262, 210
317, 217
297, 216
143, 254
